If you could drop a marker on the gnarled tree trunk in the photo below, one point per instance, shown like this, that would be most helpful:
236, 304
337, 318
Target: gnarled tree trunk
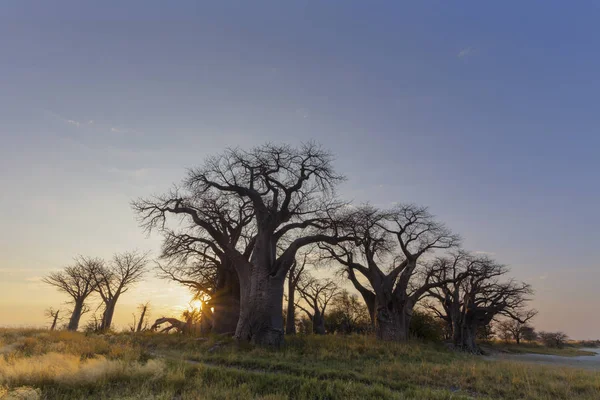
109, 313
393, 319
261, 319
75, 316
464, 338
226, 302
318, 322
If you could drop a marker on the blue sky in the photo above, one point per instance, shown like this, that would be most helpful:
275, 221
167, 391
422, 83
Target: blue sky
487, 112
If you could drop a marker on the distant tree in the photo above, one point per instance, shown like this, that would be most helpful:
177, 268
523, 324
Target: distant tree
305, 325
93, 325
529, 334
554, 339
475, 295
387, 250
347, 315
316, 295
425, 326
78, 281
53, 315
141, 324
116, 278
293, 278
516, 328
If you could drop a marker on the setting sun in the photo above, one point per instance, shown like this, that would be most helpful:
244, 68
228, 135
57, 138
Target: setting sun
196, 304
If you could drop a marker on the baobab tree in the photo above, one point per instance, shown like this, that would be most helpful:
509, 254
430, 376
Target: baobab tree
387, 252
113, 280
477, 296
517, 329
291, 194
200, 255
78, 281
316, 294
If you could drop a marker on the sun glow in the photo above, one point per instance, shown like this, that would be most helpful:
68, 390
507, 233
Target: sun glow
196, 304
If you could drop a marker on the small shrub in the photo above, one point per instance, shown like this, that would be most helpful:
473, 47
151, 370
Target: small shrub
426, 327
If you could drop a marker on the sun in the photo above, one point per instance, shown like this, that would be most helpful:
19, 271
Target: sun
196, 304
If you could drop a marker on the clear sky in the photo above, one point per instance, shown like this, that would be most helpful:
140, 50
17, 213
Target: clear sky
488, 112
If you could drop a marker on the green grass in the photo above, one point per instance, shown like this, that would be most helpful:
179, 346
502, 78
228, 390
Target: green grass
63, 365
536, 348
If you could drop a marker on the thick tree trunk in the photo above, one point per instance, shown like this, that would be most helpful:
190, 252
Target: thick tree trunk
464, 337
261, 319
371, 301
318, 323
75, 316
109, 313
226, 302
393, 321
290, 321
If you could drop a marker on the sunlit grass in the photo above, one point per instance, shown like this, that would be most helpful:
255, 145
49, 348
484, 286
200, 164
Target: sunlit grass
66, 365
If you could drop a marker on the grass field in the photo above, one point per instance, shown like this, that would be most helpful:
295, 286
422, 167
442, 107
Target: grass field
63, 365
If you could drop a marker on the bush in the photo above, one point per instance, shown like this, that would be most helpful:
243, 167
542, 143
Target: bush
554, 339
426, 327
348, 315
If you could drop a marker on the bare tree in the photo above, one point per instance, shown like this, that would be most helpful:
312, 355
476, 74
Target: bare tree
141, 324
477, 296
78, 281
347, 315
316, 295
112, 280
199, 254
516, 328
554, 339
293, 278
387, 250
290, 193
53, 315
529, 334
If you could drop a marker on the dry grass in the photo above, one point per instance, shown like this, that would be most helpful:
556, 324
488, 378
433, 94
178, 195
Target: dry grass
65, 365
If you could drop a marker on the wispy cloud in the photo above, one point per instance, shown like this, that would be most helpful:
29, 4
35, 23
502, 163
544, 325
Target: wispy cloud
484, 253
465, 52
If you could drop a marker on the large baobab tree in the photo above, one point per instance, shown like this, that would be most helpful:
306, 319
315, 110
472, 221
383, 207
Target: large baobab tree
201, 253
477, 295
316, 295
291, 194
116, 278
387, 252
78, 281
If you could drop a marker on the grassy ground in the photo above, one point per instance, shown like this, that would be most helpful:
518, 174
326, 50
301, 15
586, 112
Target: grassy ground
536, 348
64, 365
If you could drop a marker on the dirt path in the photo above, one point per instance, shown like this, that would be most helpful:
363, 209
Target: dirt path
587, 362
